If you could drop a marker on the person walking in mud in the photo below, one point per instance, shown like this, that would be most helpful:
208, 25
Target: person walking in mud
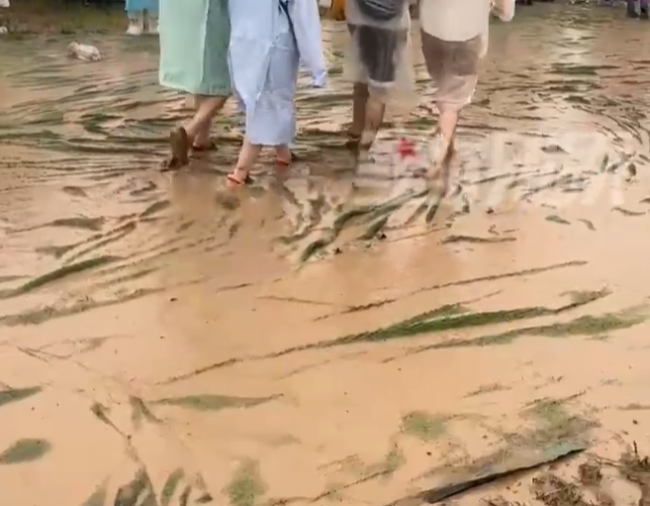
194, 39
268, 41
378, 63
454, 39
641, 13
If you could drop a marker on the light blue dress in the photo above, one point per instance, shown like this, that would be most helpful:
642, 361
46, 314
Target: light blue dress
194, 36
266, 48
137, 6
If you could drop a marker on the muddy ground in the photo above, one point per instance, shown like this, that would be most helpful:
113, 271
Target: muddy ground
339, 337
53, 17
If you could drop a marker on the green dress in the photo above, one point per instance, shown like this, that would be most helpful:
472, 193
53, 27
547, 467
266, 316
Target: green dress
194, 38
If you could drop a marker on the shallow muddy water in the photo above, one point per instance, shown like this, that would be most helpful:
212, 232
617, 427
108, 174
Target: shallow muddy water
337, 337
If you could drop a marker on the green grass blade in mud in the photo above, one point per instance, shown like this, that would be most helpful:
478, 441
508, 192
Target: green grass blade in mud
425, 325
170, 487
138, 492
94, 224
25, 450
374, 229
424, 426
246, 485
140, 412
98, 497
371, 211
63, 272
587, 325
18, 394
214, 402
455, 317
313, 248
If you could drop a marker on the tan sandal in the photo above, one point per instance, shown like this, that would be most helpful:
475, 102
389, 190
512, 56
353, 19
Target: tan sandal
234, 178
353, 141
211, 145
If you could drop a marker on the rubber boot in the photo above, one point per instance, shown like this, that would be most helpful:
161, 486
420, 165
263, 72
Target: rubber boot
136, 24
631, 9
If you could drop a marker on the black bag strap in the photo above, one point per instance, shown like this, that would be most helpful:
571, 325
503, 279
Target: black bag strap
284, 7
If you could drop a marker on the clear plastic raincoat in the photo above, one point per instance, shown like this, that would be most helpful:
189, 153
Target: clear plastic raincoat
379, 53
455, 35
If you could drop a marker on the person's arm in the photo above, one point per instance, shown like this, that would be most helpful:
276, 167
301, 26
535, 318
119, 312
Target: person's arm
504, 9
307, 29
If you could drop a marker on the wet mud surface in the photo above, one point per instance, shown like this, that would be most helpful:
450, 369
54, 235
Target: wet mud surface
338, 336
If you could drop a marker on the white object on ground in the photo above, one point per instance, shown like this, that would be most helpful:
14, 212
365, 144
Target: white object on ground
84, 52
5, 4
136, 25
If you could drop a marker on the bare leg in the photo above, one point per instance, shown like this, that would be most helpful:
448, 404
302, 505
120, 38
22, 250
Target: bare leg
182, 138
202, 137
206, 109
283, 155
447, 124
442, 145
247, 157
374, 115
359, 102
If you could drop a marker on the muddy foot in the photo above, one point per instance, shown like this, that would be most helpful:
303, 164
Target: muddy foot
352, 142
180, 146
210, 145
169, 163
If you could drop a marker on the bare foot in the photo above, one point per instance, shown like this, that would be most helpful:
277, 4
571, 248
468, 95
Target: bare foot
353, 141
202, 141
441, 163
209, 145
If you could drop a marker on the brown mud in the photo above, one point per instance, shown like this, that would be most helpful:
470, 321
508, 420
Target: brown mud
62, 17
338, 336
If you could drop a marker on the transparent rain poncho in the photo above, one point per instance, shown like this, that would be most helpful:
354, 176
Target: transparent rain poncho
454, 39
379, 51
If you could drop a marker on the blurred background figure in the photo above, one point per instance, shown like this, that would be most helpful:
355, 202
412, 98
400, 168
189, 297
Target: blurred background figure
632, 11
3, 4
143, 16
